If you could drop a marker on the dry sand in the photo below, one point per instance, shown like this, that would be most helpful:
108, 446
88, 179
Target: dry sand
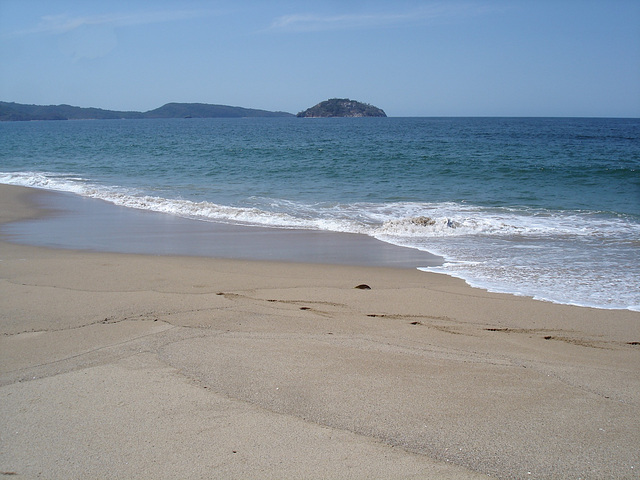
133, 366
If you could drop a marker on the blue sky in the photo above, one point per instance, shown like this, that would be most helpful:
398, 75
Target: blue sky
411, 58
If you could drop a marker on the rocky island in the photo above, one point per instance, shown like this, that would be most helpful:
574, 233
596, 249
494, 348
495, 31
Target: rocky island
342, 107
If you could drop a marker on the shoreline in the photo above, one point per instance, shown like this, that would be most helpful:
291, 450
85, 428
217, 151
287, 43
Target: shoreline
76, 221
173, 366
73, 222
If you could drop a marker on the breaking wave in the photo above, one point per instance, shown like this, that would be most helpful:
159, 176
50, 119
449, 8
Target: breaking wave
579, 257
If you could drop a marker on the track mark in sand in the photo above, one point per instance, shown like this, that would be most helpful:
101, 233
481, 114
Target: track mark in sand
399, 316
143, 317
98, 355
423, 322
523, 330
579, 341
229, 295
549, 336
275, 300
303, 304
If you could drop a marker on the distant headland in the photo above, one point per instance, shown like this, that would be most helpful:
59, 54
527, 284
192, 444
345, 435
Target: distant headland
342, 107
17, 111
334, 107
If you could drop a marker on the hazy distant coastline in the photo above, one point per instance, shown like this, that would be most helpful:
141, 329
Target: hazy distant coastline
10, 111
334, 107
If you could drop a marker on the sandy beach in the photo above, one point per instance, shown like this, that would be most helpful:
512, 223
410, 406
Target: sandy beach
118, 365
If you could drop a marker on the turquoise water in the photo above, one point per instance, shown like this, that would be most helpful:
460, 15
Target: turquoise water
543, 207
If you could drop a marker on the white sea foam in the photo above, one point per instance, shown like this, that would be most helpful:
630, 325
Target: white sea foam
386, 221
577, 257
298, 218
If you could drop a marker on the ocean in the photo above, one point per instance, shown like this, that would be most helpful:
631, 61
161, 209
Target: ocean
543, 207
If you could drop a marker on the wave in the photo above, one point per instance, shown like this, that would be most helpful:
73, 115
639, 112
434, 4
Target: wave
203, 210
566, 256
386, 221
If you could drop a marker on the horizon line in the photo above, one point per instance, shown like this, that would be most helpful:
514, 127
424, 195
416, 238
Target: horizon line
293, 114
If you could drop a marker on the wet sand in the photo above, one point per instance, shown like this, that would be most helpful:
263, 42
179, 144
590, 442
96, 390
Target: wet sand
118, 365
74, 222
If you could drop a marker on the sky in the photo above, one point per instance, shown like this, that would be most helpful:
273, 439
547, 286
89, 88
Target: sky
408, 57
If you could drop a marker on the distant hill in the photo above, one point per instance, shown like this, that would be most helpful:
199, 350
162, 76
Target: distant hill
205, 110
10, 111
342, 107
18, 111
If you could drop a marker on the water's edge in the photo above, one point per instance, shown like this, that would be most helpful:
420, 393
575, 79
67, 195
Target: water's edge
76, 222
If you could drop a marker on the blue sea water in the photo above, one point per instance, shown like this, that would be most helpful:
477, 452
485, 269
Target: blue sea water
544, 207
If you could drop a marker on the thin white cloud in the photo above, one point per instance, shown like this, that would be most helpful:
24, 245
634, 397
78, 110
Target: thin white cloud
63, 23
314, 22
311, 22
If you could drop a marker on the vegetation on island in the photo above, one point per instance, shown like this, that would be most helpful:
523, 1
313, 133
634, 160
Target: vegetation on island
205, 110
10, 111
342, 107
